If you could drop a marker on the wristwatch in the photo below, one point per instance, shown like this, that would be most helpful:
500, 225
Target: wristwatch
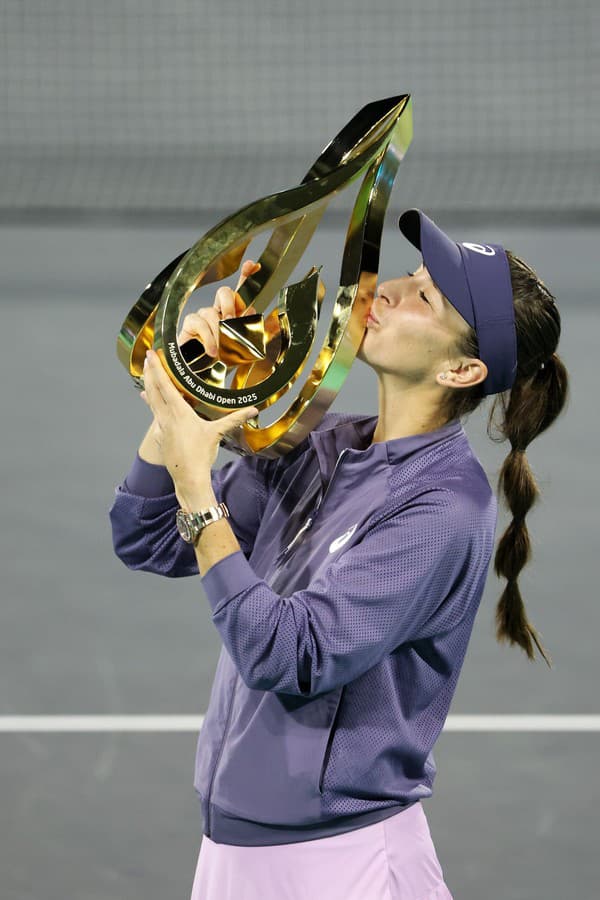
189, 525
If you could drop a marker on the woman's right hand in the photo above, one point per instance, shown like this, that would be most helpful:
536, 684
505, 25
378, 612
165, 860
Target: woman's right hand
204, 324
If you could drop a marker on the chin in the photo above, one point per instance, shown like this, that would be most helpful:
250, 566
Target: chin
360, 355
360, 351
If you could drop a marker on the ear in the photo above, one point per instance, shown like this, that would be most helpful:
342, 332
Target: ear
466, 374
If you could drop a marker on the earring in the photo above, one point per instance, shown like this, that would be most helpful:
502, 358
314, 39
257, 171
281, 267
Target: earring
443, 375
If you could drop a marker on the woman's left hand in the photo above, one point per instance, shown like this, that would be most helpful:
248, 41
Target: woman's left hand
189, 444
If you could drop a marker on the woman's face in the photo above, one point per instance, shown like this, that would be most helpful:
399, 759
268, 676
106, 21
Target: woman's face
416, 330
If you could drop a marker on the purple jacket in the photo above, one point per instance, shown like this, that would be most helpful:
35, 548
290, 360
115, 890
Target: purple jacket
345, 619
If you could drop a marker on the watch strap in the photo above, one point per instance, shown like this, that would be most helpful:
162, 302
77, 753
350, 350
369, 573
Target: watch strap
199, 519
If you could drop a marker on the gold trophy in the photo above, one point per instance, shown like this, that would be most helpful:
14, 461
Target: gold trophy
269, 351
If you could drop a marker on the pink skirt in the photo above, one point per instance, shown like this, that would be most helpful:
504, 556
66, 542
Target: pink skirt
390, 860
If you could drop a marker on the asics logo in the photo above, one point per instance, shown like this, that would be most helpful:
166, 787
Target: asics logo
341, 540
480, 248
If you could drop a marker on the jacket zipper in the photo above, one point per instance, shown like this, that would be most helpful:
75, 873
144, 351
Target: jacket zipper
281, 556
219, 756
310, 519
330, 740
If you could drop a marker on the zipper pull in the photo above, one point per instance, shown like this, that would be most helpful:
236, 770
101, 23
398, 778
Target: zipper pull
306, 525
310, 519
286, 550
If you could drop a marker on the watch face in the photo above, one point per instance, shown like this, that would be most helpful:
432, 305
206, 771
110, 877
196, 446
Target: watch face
183, 526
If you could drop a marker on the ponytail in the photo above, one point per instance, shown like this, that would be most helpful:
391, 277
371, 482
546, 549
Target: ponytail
538, 395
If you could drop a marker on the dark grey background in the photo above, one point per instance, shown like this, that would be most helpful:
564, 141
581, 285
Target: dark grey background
146, 108
128, 129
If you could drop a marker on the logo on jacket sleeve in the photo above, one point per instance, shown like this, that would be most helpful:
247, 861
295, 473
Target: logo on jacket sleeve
341, 540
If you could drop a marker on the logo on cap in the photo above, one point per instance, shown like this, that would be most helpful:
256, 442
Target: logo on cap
480, 248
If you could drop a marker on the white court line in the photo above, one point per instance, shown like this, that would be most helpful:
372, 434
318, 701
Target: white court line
58, 724
522, 723
100, 723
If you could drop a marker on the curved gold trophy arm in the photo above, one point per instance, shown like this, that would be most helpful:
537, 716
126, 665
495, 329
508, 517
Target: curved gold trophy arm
269, 353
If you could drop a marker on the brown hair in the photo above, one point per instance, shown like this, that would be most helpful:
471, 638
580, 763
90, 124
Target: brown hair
528, 408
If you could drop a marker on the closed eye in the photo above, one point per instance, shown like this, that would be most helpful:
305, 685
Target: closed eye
421, 294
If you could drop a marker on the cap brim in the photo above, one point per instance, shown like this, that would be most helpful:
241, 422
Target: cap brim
409, 224
442, 258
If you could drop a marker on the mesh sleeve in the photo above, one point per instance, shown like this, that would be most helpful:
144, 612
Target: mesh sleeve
144, 531
408, 578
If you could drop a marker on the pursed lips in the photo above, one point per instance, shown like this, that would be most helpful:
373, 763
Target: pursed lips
371, 313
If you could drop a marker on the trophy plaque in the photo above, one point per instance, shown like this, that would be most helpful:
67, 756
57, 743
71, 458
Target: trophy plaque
266, 352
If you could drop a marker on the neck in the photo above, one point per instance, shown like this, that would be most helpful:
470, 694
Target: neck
412, 410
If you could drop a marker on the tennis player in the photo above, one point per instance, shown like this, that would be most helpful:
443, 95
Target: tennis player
344, 578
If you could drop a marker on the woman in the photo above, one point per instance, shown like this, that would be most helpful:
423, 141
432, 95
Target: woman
345, 580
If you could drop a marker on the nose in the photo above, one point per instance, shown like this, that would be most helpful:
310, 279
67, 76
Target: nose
387, 291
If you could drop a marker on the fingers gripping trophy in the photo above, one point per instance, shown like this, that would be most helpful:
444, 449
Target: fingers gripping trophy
233, 360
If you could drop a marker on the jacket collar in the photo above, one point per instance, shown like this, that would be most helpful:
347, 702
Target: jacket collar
355, 435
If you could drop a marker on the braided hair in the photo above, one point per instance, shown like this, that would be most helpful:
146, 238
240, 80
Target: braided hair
529, 407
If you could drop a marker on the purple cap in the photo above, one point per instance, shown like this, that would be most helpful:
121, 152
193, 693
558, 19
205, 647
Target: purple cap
476, 279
